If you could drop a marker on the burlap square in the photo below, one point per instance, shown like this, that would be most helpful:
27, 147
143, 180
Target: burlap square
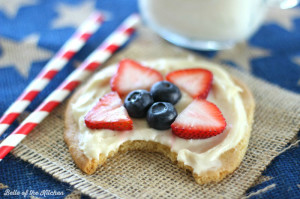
141, 174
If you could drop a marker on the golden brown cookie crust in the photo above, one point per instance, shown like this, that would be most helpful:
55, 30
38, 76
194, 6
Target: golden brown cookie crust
230, 159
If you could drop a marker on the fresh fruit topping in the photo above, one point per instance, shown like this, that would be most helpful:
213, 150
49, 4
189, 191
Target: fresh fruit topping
161, 115
138, 102
196, 82
201, 119
165, 91
109, 113
131, 76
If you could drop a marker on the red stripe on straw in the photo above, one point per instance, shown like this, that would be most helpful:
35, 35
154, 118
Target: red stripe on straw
4, 150
48, 107
68, 55
126, 30
99, 18
92, 66
85, 36
9, 118
30, 95
112, 48
129, 31
49, 74
25, 129
71, 85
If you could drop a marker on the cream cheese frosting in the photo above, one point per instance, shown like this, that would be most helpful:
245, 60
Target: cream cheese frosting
201, 154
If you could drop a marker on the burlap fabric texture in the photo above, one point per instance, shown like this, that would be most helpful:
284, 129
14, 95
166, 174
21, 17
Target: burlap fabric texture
139, 174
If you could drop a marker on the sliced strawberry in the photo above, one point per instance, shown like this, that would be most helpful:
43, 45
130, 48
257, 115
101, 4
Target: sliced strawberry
132, 76
196, 81
109, 113
201, 119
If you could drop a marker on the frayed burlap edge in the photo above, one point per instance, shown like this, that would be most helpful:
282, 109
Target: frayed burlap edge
88, 188
60, 173
271, 186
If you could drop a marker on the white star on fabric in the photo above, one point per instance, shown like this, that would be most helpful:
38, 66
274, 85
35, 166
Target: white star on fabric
74, 15
22, 54
3, 186
241, 55
283, 17
298, 83
296, 60
11, 7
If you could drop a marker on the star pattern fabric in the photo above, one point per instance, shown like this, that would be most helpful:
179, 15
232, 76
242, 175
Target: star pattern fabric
22, 54
283, 17
72, 15
12, 7
241, 55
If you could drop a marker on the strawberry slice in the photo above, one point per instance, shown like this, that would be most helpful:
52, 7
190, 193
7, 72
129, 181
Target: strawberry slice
201, 119
195, 81
132, 76
109, 113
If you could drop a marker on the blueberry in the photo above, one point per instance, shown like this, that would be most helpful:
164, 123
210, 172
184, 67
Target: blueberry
138, 102
165, 91
161, 115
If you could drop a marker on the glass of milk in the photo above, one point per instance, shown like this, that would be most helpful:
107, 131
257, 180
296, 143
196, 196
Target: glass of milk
207, 24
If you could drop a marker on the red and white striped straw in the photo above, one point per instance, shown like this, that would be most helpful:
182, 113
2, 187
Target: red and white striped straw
93, 61
61, 58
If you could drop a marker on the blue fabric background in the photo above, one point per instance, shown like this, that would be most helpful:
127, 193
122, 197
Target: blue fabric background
277, 68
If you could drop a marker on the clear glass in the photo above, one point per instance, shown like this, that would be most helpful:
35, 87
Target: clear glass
284, 4
206, 24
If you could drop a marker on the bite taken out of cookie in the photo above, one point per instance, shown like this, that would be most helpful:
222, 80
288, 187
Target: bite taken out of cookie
191, 111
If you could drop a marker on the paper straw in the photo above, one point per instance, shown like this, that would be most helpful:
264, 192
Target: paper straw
60, 59
93, 61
